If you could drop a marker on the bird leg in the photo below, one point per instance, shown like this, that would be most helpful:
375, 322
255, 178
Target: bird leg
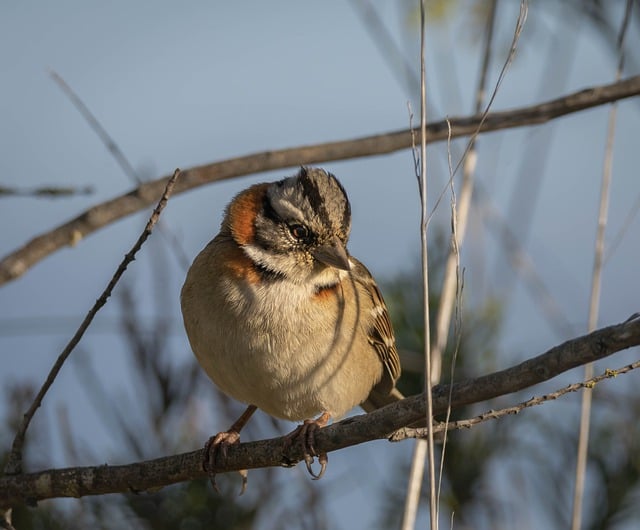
217, 446
306, 433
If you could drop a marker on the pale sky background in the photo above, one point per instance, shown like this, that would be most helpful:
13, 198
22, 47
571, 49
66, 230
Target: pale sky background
183, 85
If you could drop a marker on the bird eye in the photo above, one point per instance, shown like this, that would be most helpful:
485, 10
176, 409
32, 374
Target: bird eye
300, 232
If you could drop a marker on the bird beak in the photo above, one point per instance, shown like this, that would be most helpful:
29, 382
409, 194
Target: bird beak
334, 254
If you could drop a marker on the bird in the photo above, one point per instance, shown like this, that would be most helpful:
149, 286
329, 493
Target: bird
282, 318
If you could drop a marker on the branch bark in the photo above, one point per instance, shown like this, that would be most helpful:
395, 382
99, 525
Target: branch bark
382, 423
17, 263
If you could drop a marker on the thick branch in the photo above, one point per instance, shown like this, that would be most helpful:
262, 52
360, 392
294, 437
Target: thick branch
18, 262
142, 476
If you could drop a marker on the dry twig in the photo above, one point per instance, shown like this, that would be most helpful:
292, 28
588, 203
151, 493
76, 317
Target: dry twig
14, 461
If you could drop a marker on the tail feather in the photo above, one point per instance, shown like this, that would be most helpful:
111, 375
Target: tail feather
378, 400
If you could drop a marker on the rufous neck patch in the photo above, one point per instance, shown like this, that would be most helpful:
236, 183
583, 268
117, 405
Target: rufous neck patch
243, 211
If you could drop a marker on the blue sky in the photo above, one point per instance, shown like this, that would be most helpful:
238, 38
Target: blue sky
179, 86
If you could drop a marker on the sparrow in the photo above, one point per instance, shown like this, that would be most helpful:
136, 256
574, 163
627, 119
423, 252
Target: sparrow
283, 319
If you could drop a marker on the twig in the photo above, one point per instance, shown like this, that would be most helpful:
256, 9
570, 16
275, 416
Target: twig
520, 22
380, 424
596, 282
95, 125
589, 384
421, 452
389, 50
530, 173
52, 192
451, 285
626, 224
448, 291
424, 224
118, 154
14, 461
18, 262
524, 265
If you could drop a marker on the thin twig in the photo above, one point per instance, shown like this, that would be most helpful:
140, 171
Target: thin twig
118, 154
416, 471
424, 224
523, 263
530, 173
423, 450
383, 40
18, 262
50, 192
520, 23
451, 285
14, 461
596, 282
457, 293
589, 384
111, 145
448, 291
624, 228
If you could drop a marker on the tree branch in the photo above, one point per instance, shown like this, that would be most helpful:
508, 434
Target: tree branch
382, 423
18, 262
421, 432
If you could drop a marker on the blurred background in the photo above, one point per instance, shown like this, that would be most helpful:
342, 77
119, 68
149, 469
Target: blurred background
184, 85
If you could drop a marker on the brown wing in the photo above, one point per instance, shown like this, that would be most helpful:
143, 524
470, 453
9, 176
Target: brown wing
382, 339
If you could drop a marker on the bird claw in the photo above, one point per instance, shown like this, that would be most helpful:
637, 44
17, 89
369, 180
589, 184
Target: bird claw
306, 433
323, 459
216, 448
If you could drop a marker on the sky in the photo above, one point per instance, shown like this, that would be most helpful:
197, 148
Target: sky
180, 86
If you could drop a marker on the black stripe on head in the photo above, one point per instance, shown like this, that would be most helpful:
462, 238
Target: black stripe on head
268, 210
346, 214
312, 193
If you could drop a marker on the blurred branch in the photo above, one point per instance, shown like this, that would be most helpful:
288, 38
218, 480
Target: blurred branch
450, 283
596, 284
52, 192
383, 40
95, 125
118, 154
17, 263
14, 461
524, 265
382, 423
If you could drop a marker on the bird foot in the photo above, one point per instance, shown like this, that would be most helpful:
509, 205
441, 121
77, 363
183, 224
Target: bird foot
216, 448
306, 434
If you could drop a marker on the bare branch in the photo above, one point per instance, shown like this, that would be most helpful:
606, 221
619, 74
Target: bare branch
382, 423
18, 262
14, 461
51, 192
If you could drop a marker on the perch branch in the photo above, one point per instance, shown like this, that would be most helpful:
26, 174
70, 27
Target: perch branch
382, 423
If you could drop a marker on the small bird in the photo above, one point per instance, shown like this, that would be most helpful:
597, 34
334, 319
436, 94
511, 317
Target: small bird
282, 318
